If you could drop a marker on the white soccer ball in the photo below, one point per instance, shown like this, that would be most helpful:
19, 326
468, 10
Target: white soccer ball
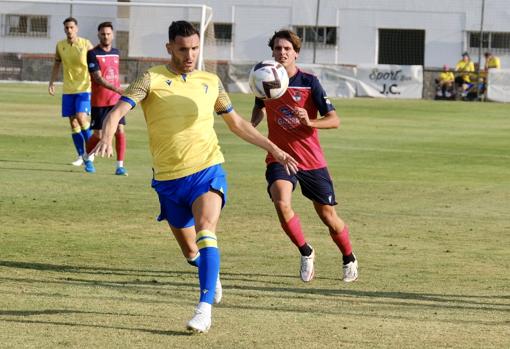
268, 80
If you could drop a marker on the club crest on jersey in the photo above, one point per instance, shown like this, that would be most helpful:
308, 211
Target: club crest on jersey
206, 87
169, 82
296, 96
286, 119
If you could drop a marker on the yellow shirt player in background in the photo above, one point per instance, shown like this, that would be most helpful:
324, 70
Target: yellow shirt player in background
71, 53
179, 103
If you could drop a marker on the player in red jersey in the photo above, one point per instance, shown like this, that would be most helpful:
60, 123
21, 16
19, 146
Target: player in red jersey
293, 123
103, 63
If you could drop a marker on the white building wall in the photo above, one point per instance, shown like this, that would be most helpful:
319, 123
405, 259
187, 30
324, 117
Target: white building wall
88, 18
254, 21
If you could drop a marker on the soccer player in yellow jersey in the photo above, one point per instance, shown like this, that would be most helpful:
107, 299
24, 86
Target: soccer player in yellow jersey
178, 103
71, 53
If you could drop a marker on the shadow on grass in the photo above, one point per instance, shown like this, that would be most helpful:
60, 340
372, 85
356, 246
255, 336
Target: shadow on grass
238, 284
75, 324
76, 170
53, 312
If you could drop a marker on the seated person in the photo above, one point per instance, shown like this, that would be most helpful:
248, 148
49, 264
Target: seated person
465, 67
444, 84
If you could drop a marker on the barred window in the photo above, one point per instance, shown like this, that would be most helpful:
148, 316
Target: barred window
26, 25
497, 42
223, 32
326, 36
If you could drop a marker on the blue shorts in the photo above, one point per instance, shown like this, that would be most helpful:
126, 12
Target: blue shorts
316, 185
75, 103
99, 114
177, 196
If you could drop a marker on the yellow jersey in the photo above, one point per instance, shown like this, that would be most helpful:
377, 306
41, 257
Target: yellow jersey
493, 63
465, 67
74, 65
446, 76
179, 112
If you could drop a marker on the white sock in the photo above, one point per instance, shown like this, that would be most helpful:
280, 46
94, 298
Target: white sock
120, 163
204, 307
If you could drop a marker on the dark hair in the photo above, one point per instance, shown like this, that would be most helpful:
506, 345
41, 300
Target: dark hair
487, 54
289, 35
105, 25
70, 19
181, 28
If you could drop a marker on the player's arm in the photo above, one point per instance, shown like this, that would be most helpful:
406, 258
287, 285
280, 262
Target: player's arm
54, 73
95, 73
245, 130
258, 112
329, 120
104, 146
137, 91
98, 79
329, 117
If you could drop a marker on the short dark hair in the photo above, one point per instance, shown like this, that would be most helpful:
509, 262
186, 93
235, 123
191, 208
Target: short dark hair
487, 54
104, 25
286, 34
70, 19
181, 28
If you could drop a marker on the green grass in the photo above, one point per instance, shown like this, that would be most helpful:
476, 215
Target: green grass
424, 186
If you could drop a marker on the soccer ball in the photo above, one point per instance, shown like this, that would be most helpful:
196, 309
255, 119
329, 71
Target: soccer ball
268, 80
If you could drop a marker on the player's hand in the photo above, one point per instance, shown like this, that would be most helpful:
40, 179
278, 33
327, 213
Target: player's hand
290, 164
103, 149
302, 115
120, 91
51, 89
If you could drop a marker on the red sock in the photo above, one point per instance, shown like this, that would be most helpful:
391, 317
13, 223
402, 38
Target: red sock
342, 241
293, 230
120, 145
92, 142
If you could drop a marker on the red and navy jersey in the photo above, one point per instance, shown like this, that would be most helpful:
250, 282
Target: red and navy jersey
108, 64
285, 130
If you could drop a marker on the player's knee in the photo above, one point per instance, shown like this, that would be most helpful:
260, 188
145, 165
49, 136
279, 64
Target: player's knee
283, 206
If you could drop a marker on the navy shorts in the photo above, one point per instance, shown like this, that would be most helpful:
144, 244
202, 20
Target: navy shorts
73, 103
316, 185
99, 114
176, 196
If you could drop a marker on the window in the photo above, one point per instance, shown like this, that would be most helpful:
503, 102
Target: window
223, 32
401, 46
494, 41
326, 36
26, 25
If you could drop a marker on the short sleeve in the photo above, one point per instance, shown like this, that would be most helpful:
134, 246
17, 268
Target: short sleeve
138, 90
259, 103
223, 104
320, 98
57, 55
92, 62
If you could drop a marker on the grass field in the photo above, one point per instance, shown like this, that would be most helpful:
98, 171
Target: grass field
424, 186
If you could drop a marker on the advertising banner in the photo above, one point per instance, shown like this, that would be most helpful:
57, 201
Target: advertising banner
498, 86
390, 81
